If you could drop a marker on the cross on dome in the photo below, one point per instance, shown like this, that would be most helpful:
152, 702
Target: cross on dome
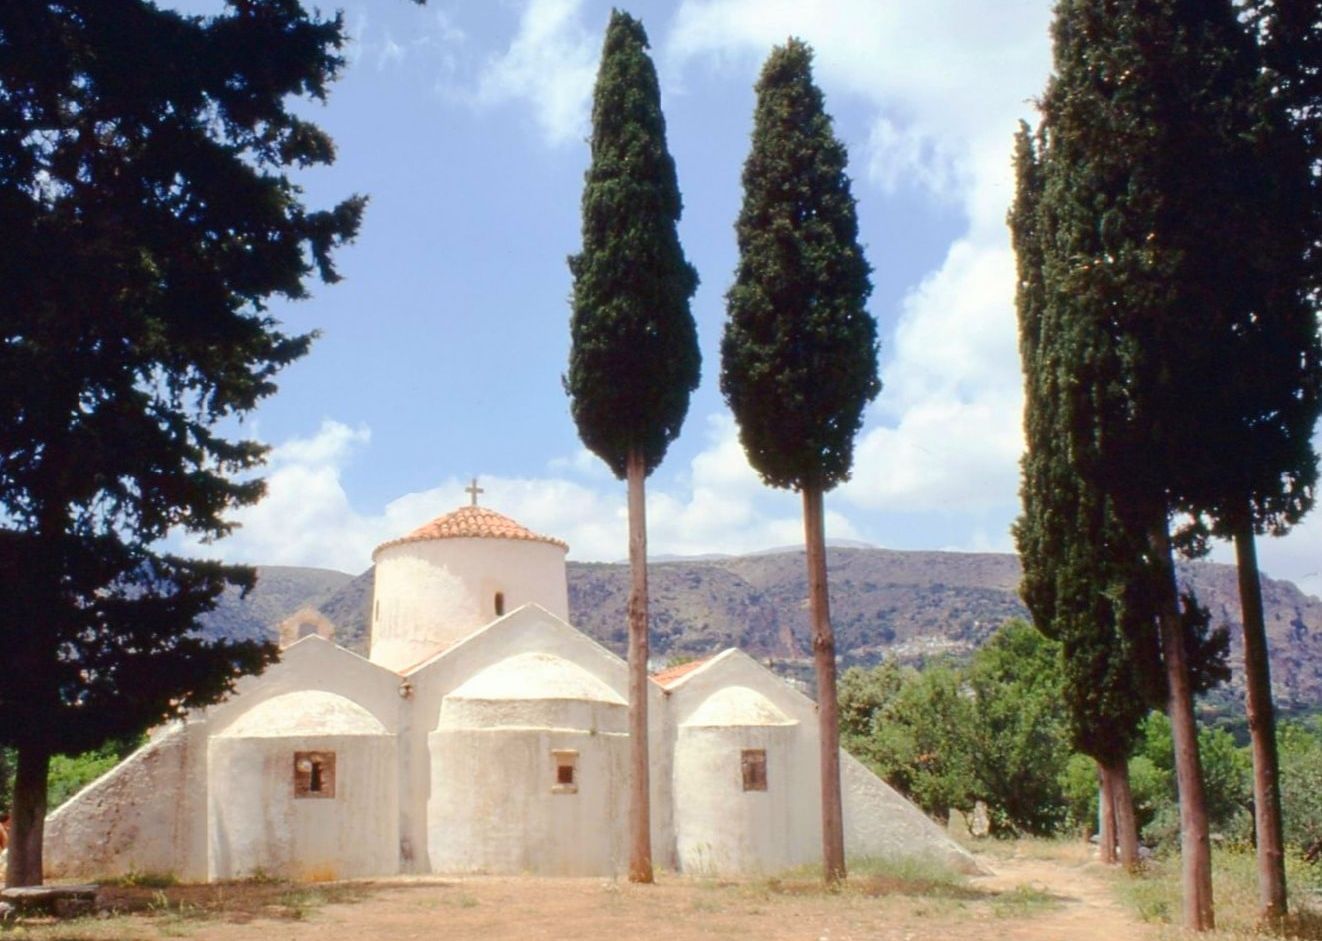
473, 489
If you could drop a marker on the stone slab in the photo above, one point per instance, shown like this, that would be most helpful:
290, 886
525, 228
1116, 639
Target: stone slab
64, 901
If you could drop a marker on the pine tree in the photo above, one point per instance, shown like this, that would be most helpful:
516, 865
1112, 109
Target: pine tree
634, 359
799, 355
147, 219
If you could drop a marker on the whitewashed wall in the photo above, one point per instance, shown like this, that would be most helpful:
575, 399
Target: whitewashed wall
430, 594
530, 629
257, 825
878, 821
722, 829
138, 817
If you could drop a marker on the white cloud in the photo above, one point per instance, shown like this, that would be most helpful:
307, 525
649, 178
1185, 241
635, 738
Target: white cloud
720, 505
551, 64
305, 518
908, 155
944, 74
582, 462
390, 53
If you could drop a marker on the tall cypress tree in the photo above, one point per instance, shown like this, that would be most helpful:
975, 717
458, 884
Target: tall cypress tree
1083, 572
799, 355
1142, 160
147, 218
634, 359
1267, 395
1245, 240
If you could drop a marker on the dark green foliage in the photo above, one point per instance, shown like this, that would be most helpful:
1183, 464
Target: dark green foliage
69, 774
1086, 580
1208, 647
1262, 358
1172, 251
1227, 770
146, 220
1175, 203
913, 729
947, 737
634, 359
1290, 33
1301, 797
996, 730
799, 355
1022, 736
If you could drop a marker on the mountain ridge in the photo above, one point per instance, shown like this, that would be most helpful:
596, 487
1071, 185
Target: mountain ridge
907, 605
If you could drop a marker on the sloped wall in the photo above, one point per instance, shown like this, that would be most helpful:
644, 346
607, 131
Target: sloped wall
138, 817
881, 824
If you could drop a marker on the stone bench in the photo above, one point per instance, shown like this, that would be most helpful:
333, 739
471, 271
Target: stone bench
62, 901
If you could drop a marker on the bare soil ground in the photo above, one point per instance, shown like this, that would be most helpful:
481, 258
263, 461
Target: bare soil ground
1023, 899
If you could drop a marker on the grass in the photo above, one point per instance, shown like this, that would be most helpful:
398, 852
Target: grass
905, 890
1068, 850
146, 880
1154, 896
872, 877
1024, 901
179, 909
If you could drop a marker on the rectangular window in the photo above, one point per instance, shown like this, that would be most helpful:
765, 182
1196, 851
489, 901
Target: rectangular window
754, 762
314, 774
566, 770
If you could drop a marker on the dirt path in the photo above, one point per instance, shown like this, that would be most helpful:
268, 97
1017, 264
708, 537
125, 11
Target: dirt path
1024, 899
1085, 907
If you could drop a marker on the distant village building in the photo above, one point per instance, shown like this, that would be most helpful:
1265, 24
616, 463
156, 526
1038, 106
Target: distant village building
482, 733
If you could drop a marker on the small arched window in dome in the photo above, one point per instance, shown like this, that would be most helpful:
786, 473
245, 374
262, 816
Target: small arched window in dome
314, 774
500, 603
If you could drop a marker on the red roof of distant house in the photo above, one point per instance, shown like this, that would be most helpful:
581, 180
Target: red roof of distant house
471, 522
669, 676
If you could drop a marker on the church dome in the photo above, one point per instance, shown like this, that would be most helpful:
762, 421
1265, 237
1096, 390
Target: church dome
306, 712
537, 676
454, 575
534, 690
471, 522
736, 706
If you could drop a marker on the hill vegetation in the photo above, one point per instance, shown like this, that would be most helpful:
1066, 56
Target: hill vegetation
906, 606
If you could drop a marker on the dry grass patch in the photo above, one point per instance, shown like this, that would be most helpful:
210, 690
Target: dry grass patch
880, 902
1154, 895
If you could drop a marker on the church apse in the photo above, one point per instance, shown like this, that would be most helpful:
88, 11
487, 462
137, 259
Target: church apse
303, 786
529, 762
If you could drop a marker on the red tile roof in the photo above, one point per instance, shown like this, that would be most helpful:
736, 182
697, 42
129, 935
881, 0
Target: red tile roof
471, 522
668, 677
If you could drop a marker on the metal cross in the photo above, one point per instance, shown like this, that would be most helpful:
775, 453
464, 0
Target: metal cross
473, 489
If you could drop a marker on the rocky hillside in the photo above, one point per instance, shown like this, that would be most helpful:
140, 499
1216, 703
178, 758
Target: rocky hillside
909, 605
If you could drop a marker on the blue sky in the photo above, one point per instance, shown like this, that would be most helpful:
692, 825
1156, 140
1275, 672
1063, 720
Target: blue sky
441, 352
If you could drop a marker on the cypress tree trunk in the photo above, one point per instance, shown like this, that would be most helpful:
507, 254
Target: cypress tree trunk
1126, 824
27, 821
1262, 730
1105, 815
1195, 846
640, 812
823, 648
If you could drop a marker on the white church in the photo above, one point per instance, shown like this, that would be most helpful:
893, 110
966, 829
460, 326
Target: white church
482, 734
